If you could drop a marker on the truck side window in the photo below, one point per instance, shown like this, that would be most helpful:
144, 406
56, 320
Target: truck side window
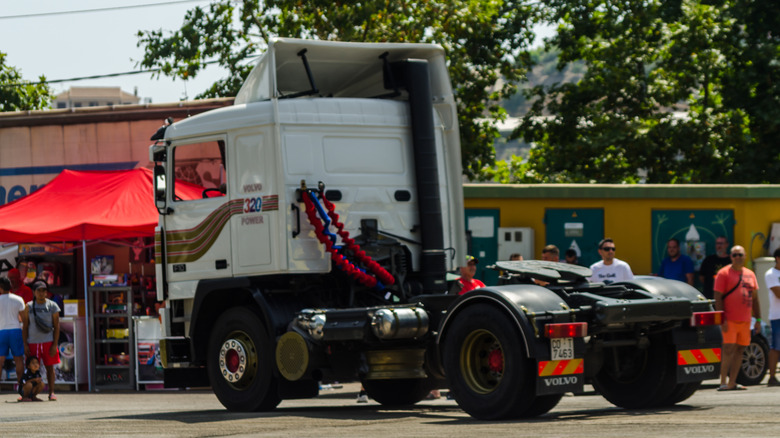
199, 170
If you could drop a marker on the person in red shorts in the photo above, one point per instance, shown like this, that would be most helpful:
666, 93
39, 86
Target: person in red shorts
736, 294
41, 330
18, 287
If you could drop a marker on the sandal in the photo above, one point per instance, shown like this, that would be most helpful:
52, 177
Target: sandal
736, 388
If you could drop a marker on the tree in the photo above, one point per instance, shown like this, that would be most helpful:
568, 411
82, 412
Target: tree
484, 40
18, 95
751, 84
675, 91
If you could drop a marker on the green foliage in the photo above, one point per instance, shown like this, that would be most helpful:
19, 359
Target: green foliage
19, 95
484, 40
713, 62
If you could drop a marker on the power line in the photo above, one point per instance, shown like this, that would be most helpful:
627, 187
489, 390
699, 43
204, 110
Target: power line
84, 78
107, 75
80, 11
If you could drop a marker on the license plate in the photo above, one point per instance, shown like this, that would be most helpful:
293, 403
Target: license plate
562, 348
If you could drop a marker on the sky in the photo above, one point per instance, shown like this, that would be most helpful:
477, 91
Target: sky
73, 45
66, 46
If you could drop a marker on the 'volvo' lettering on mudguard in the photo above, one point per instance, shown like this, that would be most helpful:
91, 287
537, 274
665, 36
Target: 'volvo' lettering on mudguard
557, 376
698, 364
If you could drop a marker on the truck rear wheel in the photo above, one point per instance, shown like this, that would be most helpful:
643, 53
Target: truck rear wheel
398, 392
683, 391
239, 370
635, 378
542, 405
487, 370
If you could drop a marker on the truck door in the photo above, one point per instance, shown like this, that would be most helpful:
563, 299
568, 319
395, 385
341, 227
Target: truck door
198, 230
257, 237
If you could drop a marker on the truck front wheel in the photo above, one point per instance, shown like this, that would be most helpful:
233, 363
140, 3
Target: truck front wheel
487, 370
240, 373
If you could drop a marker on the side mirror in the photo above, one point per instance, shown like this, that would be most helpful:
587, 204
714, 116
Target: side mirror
160, 185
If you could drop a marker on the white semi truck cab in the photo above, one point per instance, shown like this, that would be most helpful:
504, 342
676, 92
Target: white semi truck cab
328, 210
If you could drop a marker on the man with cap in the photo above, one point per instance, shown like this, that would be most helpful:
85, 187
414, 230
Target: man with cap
41, 331
18, 287
467, 280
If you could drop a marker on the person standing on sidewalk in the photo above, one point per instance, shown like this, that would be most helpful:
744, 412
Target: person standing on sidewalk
736, 294
772, 278
12, 314
42, 331
18, 287
610, 269
676, 266
712, 264
551, 253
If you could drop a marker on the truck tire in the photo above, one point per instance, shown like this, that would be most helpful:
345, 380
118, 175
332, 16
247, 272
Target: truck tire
487, 370
683, 391
239, 370
542, 405
754, 362
398, 392
636, 378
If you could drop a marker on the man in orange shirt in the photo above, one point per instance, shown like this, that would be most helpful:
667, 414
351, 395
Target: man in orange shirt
736, 293
18, 287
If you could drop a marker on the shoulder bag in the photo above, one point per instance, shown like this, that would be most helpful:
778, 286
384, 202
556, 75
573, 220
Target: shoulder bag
733, 288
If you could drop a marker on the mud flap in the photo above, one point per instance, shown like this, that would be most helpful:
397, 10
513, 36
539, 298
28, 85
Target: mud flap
559, 376
697, 364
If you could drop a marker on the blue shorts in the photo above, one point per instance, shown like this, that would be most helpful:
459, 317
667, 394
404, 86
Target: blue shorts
775, 334
11, 339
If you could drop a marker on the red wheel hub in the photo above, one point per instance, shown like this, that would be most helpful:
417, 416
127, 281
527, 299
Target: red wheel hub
232, 360
496, 361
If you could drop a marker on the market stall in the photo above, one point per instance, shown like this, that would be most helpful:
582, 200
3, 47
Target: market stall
93, 208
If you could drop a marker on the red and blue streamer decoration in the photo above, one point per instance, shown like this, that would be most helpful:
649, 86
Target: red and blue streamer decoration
326, 237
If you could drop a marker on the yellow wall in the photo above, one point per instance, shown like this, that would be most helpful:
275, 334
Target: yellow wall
627, 215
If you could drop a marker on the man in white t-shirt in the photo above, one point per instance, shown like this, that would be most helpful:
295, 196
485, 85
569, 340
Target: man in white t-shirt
13, 313
772, 278
610, 269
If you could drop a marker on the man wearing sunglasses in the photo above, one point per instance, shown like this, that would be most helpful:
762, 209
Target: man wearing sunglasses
736, 294
610, 269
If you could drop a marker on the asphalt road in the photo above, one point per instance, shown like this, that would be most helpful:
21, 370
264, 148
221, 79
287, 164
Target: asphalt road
335, 413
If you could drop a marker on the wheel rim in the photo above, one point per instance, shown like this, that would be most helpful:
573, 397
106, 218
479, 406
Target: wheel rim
482, 361
238, 360
753, 361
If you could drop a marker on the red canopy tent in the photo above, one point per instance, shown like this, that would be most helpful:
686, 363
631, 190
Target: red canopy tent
89, 205
82, 206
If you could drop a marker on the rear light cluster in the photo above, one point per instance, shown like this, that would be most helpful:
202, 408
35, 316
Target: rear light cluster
566, 330
707, 318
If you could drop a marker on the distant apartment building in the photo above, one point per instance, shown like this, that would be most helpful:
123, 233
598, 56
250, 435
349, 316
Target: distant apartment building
79, 97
